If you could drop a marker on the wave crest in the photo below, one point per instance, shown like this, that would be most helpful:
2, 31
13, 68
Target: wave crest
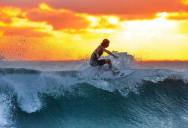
27, 85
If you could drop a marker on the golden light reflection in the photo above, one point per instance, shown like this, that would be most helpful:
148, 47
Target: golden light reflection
45, 7
178, 15
2, 24
156, 39
12, 12
1, 33
94, 20
113, 20
185, 2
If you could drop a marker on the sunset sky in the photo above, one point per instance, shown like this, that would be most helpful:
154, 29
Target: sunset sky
72, 29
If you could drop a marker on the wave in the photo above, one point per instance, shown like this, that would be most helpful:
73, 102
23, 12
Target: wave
163, 105
25, 90
27, 84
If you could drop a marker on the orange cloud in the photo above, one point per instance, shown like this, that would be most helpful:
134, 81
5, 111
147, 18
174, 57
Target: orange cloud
17, 31
58, 18
13, 21
7, 13
46, 19
131, 7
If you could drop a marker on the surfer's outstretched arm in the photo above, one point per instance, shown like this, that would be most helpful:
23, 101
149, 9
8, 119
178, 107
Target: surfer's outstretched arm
110, 53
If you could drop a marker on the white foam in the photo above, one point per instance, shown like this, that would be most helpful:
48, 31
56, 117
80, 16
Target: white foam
28, 87
5, 112
132, 80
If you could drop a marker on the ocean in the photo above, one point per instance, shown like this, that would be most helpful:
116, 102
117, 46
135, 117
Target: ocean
74, 95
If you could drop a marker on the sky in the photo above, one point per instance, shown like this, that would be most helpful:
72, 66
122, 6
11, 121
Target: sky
71, 29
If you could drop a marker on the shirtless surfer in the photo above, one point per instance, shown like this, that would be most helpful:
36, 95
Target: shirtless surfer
95, 57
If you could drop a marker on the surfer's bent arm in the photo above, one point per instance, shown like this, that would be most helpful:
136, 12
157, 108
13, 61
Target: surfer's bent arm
110, 53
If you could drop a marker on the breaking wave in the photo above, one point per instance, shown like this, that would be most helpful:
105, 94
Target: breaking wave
144, 98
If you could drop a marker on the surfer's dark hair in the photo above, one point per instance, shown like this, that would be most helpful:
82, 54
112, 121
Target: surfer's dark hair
105, 42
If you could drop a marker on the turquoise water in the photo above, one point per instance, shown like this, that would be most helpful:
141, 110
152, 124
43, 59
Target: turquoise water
33, 98
159, 106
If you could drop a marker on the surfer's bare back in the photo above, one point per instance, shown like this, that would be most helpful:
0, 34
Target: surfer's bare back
95, 57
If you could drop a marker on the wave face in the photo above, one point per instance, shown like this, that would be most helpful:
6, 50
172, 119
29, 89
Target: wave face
72, 99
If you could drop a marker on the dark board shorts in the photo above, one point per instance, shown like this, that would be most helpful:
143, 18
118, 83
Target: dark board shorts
97, 62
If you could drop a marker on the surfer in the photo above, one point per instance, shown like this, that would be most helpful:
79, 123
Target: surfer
95, 57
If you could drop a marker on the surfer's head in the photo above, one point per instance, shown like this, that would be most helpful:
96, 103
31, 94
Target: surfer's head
105, 43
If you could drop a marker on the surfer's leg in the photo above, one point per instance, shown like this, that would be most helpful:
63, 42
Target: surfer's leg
105, 61
94, 61
101, 62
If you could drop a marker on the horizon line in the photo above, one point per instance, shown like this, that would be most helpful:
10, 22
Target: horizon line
73, 60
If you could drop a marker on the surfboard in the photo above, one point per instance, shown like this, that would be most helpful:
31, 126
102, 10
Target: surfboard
124, 73
105, 73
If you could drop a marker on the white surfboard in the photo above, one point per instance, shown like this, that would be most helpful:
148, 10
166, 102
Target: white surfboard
117, 73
